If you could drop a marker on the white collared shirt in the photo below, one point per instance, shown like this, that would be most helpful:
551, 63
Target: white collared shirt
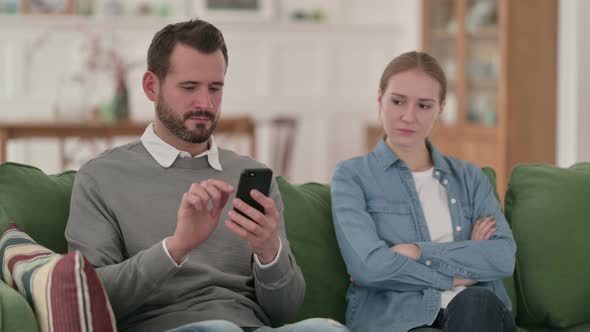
434, 200
165, 154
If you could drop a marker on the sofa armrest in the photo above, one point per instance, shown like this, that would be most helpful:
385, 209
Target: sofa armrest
15, 312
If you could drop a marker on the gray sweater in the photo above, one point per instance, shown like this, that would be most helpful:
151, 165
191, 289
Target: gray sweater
124, 204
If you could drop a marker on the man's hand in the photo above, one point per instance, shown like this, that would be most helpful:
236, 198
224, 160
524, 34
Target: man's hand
484, 228
195, 220
262, 231
409, 250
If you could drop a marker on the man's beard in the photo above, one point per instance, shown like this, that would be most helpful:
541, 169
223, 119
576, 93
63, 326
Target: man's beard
175, 124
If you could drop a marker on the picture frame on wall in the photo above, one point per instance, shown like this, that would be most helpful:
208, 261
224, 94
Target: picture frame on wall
234, 10
58, 7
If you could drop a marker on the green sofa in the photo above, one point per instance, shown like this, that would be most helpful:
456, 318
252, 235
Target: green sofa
548, 209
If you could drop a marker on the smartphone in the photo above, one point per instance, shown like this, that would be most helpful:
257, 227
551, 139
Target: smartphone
253, 178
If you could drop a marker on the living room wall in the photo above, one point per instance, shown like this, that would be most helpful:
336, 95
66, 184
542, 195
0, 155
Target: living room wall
323, 74
574, 81
332, 111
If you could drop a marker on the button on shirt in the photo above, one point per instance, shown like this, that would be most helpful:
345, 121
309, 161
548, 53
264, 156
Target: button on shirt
434, 201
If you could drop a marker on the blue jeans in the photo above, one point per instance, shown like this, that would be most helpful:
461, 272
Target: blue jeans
473, 309
308, 325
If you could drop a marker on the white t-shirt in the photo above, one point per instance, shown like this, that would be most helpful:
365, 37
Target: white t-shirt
433, 197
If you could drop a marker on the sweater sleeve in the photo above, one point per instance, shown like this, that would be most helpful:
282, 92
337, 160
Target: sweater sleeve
93, 229
280, 287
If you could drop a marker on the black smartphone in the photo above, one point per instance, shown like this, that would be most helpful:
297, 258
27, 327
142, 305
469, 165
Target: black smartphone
253, 178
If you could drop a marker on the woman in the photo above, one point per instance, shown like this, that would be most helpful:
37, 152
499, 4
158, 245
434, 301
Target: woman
422, 234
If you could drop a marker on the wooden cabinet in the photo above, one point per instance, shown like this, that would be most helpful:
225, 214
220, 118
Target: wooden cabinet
500, 57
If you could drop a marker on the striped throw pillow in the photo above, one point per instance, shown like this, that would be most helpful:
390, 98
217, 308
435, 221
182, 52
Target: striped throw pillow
64, 290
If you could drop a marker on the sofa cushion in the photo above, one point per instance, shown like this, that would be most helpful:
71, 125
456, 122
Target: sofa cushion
15, 313
547, 208
308, 222
307, 216
64, 290
37, 202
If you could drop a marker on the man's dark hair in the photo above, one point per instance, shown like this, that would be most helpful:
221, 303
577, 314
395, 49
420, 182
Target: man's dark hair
198, 34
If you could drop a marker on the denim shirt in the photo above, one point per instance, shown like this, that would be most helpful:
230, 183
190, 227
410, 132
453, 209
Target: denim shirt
375, 206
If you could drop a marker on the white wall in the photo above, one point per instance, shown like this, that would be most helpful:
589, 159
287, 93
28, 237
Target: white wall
583, 70
324, 74
574, 81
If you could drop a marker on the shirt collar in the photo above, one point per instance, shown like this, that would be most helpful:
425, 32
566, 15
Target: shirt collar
165, 154
387, 157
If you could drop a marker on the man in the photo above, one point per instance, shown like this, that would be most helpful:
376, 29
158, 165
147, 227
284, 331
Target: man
148, 214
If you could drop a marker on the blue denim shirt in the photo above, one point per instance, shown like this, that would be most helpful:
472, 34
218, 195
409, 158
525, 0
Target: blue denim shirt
375, 206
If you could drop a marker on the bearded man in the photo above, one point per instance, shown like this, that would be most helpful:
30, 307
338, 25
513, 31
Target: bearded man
153, 218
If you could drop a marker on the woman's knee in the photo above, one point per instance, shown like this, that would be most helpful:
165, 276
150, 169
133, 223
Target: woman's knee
476, 296
478, 309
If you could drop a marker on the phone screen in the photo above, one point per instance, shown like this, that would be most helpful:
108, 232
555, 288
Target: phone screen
253, 178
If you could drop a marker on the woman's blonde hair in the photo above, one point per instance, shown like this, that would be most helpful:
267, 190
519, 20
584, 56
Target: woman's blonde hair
415, 60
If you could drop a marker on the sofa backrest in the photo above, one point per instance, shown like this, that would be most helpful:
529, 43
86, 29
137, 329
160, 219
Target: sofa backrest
37, 202
548, 209
308, 222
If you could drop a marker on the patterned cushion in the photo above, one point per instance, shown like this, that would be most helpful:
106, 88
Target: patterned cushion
64, 290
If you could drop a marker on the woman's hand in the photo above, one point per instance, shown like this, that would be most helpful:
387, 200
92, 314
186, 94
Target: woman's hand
413, 251
462, 282
409, 250
484, 228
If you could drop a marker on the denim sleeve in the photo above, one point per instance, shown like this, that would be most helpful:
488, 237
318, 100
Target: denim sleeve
369, 260
486, 260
